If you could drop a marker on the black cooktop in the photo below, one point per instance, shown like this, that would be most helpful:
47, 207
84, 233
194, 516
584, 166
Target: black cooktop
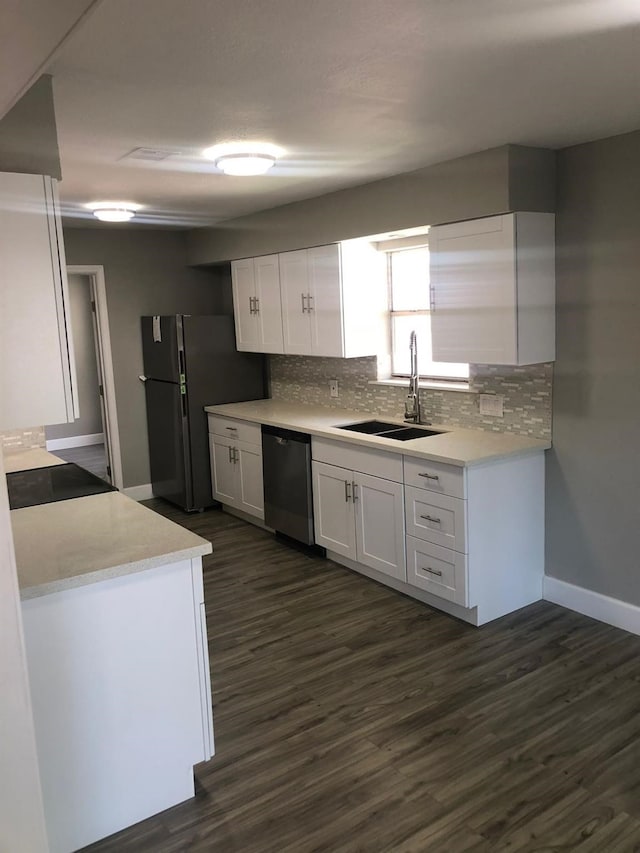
55, 483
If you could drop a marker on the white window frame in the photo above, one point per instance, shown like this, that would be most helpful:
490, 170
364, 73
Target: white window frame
421, 312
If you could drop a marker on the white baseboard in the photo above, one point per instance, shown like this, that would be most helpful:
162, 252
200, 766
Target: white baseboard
75, 441
613, 611
139, 493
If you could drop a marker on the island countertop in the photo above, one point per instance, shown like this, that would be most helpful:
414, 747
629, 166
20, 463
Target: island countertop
455, 445
85, 540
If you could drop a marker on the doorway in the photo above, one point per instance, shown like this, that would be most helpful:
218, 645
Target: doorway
92, 441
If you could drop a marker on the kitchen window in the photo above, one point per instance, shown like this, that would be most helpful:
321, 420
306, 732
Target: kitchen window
408, 275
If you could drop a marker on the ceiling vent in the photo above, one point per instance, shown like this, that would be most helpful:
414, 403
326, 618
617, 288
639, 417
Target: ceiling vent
155, 154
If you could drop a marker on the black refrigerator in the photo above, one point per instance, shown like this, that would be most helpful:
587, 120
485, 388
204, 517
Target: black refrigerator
190, 362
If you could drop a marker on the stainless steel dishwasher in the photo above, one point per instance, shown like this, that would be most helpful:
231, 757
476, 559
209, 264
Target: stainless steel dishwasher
288, 500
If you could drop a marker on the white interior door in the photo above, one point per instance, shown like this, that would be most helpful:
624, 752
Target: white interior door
379, 507
294, 289
325, 301
333, 509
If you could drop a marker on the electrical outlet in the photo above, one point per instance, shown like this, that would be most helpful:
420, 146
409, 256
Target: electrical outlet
492, 404
333, 388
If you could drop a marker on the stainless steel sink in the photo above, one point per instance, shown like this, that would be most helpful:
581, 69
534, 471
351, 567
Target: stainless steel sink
383, 429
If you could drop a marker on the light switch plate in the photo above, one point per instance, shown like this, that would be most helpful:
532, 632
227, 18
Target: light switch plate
333, 388
492, 404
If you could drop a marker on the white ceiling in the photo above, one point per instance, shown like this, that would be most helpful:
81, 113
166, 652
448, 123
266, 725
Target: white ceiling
354, 90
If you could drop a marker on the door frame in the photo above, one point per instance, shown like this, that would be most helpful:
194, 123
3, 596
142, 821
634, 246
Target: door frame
97, 285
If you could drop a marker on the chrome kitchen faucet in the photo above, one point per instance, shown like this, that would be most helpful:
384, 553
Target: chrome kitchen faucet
412, 403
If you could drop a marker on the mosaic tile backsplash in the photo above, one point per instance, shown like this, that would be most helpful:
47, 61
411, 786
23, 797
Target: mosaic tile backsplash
526, 392
22, 439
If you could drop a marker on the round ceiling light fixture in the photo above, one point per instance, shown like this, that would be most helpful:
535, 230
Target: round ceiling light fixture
113, 211
243, 158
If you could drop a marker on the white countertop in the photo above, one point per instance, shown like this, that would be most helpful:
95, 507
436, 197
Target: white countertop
27, 460
455, 445
86, 540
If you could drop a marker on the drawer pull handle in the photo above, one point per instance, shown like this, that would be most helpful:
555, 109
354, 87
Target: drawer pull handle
433, 571
431, 518
233, 429
429, 476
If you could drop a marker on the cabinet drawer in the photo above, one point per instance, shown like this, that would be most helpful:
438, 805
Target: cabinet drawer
437, 518
437, 570
235, 429
366, 461
434, 476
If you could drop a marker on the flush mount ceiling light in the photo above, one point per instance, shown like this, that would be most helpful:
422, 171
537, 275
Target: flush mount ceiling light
113, 211
243, 158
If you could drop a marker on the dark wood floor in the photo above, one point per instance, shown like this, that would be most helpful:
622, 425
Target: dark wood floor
350, 718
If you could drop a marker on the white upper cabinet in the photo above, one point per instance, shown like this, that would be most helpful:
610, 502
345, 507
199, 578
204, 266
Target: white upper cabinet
37, 368
256, 304
493, 290
331, 300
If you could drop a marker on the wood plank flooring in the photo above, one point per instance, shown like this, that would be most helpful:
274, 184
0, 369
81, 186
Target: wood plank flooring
350, 718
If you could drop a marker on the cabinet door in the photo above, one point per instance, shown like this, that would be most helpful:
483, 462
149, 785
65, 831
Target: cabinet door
333, 513
224, 479
250, 489
244, 291
294, 289
379, 511
473, 288
325, 301
267, 306
35, 383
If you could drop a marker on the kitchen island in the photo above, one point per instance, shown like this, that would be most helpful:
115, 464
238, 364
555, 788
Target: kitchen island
115, 634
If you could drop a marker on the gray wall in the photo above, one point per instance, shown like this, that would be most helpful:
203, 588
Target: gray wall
90, 420
28, 135
593, 472
500, 179
145, 273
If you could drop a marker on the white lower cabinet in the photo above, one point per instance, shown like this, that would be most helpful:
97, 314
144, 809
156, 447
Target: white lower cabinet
437, 570
361, 517
235, 450
236, 474
473, 536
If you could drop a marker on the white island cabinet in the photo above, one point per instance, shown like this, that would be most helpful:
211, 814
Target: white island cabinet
116, 646
37, 368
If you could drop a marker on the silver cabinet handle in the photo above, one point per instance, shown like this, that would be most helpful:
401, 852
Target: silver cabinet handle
251, 298
310, 306
236, 455
355, 492
432, 571
233, 429
302, 298
429, 476
431, 518
256, 304
432, 297
347, 491
230, 449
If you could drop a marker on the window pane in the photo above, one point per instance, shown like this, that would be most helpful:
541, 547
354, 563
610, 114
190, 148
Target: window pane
401, 328
410, 280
